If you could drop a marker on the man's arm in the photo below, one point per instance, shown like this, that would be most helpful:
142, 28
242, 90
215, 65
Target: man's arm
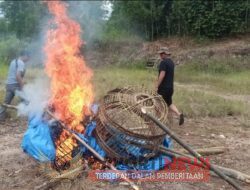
19, 79
160, 78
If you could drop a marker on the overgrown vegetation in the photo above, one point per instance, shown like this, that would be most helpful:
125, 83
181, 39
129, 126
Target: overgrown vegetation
10, 48
160, 18
149, 19
22, 24
21, 18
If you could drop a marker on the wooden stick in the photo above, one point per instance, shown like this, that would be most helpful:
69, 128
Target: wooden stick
227, 171
235, 174
207, 151
191, 151
9, 106
191, 160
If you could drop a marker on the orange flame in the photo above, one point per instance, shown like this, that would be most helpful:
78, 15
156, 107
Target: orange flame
71, 88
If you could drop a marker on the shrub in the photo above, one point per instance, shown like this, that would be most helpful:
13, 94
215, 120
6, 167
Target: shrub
10, 47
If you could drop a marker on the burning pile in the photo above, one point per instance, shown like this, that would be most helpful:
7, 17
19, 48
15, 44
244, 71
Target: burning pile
71, 88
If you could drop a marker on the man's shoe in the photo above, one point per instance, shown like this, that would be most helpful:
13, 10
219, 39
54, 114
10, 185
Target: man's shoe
181, 120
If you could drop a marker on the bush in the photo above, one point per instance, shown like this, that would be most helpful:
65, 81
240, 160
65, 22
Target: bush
10, 47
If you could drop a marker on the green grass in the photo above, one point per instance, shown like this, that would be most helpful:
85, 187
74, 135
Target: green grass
200, 104
108, 78
221, 75
3, 71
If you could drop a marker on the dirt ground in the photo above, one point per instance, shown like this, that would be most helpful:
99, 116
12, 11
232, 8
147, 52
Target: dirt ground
18, 171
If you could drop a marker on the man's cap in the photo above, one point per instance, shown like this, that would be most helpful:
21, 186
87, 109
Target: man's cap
25, 53
164, 50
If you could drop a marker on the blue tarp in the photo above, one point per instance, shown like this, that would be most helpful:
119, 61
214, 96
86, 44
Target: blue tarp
37, 140
91, 140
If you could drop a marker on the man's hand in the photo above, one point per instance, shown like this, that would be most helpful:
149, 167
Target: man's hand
155, 87
160, 79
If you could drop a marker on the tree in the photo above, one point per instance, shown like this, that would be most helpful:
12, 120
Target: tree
142, 17
214, 18
23, 17
155, 18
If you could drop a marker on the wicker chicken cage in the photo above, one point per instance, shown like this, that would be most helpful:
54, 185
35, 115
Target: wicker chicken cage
122, 128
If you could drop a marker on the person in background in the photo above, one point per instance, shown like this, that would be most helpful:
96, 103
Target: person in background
165, 82
15, 79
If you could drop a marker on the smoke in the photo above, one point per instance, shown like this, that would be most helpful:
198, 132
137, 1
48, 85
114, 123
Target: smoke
35, 97
91, 15
36, 44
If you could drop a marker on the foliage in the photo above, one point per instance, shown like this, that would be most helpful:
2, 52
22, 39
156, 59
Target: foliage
155, 18
212, 18
22, 17
149, 19
138, 16
23, 22
10, 47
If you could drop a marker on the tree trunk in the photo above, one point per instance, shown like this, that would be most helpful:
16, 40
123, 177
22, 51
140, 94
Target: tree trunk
152, 20
246, 17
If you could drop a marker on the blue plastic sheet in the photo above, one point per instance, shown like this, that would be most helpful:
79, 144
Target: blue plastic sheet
37, 140
155, 163
91, 140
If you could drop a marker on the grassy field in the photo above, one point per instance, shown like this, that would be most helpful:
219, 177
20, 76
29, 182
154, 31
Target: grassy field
191, 90
226, 74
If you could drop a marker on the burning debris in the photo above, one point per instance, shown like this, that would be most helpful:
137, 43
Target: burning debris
72, 135
48, 129
71, 89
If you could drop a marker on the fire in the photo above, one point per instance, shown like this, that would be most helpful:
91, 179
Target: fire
71, 88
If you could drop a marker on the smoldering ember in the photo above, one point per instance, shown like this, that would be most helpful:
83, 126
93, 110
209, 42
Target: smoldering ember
124, 95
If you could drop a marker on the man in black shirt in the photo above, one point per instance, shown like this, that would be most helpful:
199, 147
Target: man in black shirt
165, 83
